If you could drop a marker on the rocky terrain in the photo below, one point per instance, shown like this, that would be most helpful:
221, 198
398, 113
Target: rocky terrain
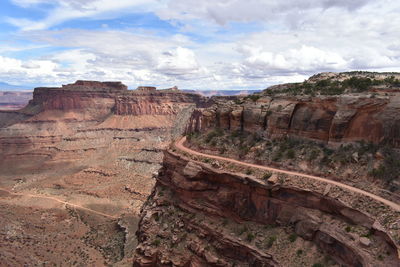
82, 163
352, 136
198, 215
207, 212
95, 146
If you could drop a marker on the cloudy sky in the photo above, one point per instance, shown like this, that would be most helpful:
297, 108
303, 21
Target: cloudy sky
205, 44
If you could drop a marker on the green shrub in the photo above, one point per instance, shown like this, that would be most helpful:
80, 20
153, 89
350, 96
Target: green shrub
358, 84
156, 242
267, 175
214, 133
313, 155
290, 154
293, 237
206, 160
242, 230
271, 241
250, 237
253, 97
389, 170
299, 252
318, 265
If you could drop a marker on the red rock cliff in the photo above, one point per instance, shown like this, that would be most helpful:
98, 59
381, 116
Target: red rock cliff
180, 224
333, 119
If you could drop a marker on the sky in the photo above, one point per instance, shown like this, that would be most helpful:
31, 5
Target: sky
205, 44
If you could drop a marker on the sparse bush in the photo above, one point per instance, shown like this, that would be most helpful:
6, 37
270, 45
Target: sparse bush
290, 154
214, 133
347, 229
293, 237
389, 170
250, 237
318, 265
249, 171
358, 84
299, 252
267, 175
206, 160
238, 101
313, 155
253, 97
156, 242
271, 241
242, 229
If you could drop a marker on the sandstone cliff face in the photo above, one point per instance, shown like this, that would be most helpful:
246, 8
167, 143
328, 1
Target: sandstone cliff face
332, 120
186, 189
113, 97
152, 102
93, 97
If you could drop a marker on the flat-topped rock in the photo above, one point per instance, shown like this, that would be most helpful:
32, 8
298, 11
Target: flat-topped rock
95, 85
146, 88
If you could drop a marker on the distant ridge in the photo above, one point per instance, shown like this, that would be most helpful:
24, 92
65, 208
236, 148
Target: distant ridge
9, 87
222, 92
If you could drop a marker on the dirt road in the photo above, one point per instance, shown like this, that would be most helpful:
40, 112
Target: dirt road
180, 146
59, 201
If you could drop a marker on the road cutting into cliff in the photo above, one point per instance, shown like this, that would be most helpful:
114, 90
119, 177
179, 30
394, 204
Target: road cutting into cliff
180, 145
59, 201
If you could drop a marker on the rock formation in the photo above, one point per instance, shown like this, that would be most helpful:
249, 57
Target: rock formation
89, 153
330, 119
189, 218
94, 144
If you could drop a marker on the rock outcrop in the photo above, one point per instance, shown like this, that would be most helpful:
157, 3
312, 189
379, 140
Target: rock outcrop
186, 190
330, 119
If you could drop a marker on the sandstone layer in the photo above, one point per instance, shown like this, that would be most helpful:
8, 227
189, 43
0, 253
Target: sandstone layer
189, 220
329, 119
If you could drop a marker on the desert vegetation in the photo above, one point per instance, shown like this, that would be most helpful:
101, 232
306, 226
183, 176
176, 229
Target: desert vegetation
377, 161
335, 87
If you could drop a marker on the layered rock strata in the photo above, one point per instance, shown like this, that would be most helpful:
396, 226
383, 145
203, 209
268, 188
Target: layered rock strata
94, 144
186, 189
329, 119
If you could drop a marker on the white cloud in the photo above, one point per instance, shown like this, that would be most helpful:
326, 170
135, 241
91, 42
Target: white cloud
19, 72
65, 10
290, 40
223, 11
180, 61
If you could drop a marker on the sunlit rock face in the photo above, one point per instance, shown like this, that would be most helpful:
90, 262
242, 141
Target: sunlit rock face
335, 119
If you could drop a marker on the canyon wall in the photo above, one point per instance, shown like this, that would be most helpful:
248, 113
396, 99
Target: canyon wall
199, 208
90, 143
330, 119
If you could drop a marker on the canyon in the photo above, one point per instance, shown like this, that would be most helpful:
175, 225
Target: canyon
92, 148
97, 165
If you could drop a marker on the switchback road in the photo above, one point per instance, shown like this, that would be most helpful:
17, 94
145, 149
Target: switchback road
180, 145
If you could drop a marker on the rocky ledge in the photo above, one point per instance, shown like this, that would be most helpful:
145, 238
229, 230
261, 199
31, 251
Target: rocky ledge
201, 216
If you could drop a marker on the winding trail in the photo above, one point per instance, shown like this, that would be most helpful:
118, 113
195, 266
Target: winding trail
59, 201
180, 145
